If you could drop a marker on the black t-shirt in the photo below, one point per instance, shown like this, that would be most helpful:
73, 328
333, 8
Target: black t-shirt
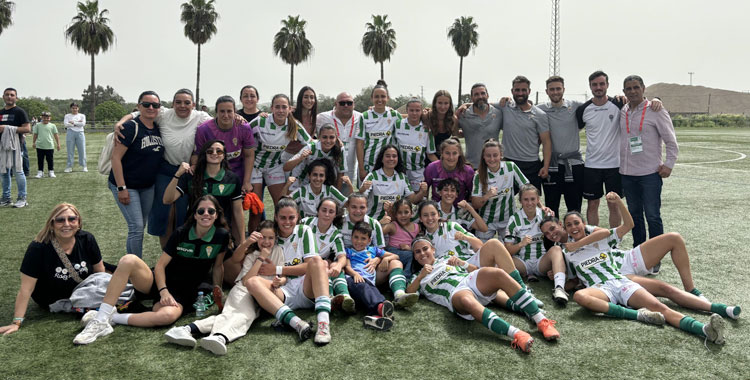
226, 187
52, 279
192, 259
248, 116
141, 161
15, 116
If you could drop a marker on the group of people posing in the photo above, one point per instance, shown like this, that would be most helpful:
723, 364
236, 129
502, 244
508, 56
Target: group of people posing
420, 215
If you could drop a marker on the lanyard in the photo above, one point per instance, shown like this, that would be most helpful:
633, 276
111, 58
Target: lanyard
643, 115
336, 124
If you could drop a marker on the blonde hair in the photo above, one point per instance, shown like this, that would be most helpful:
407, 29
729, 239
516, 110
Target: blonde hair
48, 231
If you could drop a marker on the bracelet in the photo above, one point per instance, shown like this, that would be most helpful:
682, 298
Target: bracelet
278, 270
465, 265
17, 321
176, 177
162, 289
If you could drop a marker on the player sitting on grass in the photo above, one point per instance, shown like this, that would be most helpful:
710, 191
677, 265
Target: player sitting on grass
466, 290
607, 287
367, 266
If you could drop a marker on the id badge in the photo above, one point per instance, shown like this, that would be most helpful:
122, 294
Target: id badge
636, 144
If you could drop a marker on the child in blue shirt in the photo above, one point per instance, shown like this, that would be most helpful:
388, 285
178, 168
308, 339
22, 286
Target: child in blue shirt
366, 267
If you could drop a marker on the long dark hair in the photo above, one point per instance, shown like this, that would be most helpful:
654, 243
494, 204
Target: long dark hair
336, 153
339, 219
190, 221
284, 202
327, 167
298, 111
379, 162
397, 205
421, 207
432, 117
482, 172
196, 190
263, 225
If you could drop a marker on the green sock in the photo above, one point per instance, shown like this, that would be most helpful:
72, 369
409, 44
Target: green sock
618, 311
330, 286
696, 292
491, 321
526, 302
692, 326
512, 306
397, 280
719, 308
285, 314
339, 285
517, 276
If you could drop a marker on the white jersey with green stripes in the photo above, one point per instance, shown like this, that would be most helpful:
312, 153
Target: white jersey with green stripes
498, 209
377, 239
329, 242
457, 215
414, 143
299, 245
316, 152
445, 243
439, 284
376, 130
519, 227
595, 263
272, 141
307, 200
384, 189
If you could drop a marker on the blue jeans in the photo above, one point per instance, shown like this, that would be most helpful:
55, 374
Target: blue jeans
25, 155
643, 194
159, 217
136, 215
406, 258
20, 182
75, 140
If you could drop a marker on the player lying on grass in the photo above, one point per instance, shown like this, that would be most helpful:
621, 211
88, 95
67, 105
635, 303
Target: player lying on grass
465, 289
638, 262
610, 292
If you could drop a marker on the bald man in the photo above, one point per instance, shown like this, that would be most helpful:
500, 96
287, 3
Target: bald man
344, 118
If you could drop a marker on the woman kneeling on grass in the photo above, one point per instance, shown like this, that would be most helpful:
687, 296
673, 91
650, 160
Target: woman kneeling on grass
302, 282
60, 257
466, 290
240, 309
189, 255
607, 287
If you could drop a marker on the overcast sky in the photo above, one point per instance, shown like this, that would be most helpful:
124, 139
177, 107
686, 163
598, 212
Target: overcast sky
660, 40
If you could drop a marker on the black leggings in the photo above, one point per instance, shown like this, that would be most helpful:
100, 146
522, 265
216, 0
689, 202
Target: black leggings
41, 154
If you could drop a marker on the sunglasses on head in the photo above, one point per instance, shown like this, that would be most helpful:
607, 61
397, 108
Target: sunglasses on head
62, 219
154, 105
214, 151
210, 210
346, 103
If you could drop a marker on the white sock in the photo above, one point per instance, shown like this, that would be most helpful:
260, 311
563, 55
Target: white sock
122, 318
512, 330
105, 312
323, 317
399, 293
560, 280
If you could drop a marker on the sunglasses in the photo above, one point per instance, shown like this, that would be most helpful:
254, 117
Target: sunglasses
62, 219
154, 105
210, 210
346, 103
215, 151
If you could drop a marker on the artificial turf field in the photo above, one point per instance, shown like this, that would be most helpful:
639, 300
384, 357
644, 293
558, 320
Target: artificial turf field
706, 200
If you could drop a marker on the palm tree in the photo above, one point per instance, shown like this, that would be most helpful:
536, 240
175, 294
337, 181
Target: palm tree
90, 33
291, 44
199, 17
379, 41
464, 37
6, 13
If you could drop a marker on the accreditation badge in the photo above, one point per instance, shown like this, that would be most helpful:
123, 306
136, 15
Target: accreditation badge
636, 144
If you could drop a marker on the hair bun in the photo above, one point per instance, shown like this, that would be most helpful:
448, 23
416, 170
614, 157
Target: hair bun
381, 82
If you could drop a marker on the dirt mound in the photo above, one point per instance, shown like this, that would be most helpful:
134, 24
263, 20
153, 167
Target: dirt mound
685, 99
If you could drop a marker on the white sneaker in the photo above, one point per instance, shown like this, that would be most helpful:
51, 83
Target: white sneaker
180, 335
714, 329
20, 203
377, 323
560, 296
52, 174
323, 335
92, 331
85, 169
215, 344
39, 174
406, 300
68, 170
89, 316
304, 332
651, 317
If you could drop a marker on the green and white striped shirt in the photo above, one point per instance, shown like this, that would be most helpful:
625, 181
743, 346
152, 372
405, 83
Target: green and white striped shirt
595, 263
377, 131
329, 242
457, 215
519, 227
299, 245
307, 200
445, 243
499, 208
439, 284
414, 143
377, 238
316, 152
385, 189
272, 141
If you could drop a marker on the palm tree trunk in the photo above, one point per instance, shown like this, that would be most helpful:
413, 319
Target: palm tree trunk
291, 85
381, 70
93, 92
460, 79
198, 81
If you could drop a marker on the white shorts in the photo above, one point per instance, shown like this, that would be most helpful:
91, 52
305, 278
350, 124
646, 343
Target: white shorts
294, 295
470, 283
632, 263
532, 268
414, 178
618, 291
492, 229
272, 176
474, 260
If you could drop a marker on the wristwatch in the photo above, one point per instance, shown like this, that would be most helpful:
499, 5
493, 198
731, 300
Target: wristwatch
121, 188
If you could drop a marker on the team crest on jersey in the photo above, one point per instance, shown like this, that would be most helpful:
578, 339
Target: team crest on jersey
221, 188
294, 245
611, 117
234, 141
209, 249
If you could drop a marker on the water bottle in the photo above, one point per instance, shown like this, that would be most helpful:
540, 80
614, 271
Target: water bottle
200, 305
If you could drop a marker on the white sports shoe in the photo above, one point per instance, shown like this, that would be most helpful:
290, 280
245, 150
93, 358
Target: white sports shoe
89, 316
20, 203
651, 317
560, 296
377, 323
214, 343
39, 174
180, 335
52, 174
714, 329
93, 330
68, 170
323, 335
406, 300
85, 169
